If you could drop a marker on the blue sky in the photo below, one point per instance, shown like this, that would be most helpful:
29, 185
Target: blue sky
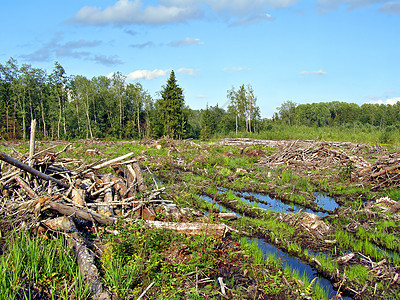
302, 51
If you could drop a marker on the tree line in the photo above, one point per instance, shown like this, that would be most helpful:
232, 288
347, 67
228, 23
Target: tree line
338, 113
73, 107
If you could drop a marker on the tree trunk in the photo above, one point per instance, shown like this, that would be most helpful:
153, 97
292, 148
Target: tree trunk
77, 116
87, 115
42, 109
59, 115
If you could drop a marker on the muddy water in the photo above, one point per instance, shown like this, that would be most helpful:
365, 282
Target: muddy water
292, 262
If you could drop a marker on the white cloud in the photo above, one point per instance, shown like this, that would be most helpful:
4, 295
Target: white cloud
186, 42
146, 74
190, 72
132, 12
325, 6
392, 7
201, 96
234, 69
320, 72
253, 19
125, 12
390, 101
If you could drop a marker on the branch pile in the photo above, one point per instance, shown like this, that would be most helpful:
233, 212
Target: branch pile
385, 172
312, 155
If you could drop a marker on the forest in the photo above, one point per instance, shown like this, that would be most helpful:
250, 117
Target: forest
75, 107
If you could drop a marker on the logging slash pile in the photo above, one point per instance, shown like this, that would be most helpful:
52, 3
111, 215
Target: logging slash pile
313, 154
43, 192
383, 173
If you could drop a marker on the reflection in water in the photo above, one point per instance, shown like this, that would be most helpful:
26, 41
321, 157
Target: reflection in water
325, 202
277, 205
295, 263
292, 262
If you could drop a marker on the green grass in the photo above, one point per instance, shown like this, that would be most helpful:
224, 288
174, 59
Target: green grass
32, 265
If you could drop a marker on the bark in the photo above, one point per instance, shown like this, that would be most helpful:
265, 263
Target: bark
121, 188
108, 198
394, 208
87, 266
87, 115
139, 178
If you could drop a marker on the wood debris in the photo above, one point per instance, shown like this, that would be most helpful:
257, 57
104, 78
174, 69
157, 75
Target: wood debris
313, 154
383, 173
46, 192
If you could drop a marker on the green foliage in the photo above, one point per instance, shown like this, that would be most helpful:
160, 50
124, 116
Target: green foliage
170, 109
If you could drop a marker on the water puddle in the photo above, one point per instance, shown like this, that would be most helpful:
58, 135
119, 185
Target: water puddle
219, 206
325, 202
268, 203
288, 260
295, 263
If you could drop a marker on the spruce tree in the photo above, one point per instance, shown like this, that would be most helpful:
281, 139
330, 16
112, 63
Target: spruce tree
171, 109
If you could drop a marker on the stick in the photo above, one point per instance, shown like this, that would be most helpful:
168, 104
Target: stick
107, 163
31, 170
109, 184
145, 291
32, 143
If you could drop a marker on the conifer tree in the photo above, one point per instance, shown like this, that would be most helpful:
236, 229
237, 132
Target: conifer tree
171, 109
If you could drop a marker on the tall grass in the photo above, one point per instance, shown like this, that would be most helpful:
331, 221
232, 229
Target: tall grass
33, 265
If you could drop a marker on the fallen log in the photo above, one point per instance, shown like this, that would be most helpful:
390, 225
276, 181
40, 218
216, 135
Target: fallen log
84, 257
112, 161
230, 216
81, 214
87, 266
218, 230
30, 170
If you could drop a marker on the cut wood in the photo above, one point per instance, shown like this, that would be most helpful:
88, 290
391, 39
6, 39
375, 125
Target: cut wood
112, 161
230, 216
78, 197
61, 224
346, 258
31, 193
218, 230
81, 213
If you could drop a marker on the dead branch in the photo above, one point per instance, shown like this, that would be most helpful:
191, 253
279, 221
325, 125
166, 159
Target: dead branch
30, 170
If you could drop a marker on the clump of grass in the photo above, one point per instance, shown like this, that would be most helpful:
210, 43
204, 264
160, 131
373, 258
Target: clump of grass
358, 273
